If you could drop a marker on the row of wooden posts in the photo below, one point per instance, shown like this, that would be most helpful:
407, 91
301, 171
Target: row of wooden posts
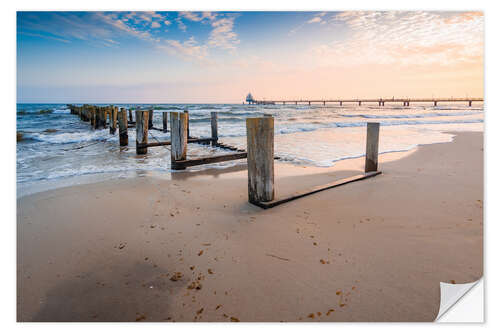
100, 116
260, 146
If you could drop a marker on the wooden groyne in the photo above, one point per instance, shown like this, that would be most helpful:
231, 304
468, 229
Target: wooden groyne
260, 145
380, 101
109, 116
260, 161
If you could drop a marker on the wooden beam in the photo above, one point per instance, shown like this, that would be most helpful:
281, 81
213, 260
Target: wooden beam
316, 189
113, 118
187, 114
150, 119
179, 137
168, 143
123, 127
182, 164
371, 157
93, 115
260, 159
213, 124
165, 121
141, 129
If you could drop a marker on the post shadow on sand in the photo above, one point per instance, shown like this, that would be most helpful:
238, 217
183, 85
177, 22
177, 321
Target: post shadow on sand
134, 292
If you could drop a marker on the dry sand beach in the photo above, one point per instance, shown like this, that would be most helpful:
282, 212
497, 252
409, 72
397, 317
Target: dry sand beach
192, 248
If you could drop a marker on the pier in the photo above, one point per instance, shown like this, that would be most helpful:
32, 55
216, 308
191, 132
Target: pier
360, 101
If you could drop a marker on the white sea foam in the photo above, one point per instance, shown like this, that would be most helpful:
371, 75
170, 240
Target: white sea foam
69, 137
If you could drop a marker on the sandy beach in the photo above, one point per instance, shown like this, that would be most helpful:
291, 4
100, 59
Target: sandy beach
191, 248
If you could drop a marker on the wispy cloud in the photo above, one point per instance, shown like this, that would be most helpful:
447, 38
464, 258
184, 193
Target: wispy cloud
181, 24
222, 34
406, 38
64, 25
318, 18
198, 17
45, 36
189, 49
108, 28
120, 23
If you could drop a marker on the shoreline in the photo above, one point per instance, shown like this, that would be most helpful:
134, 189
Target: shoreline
26, 189
357, 162
337, 254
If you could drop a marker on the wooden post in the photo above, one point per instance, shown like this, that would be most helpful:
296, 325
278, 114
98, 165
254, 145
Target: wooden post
93, 117
150, 119
213, 123
187, 114
141, 128
178, 138
371, 160
100, 121
260, 159
123, 125
104, 112
130, 118
113, 117
165, 122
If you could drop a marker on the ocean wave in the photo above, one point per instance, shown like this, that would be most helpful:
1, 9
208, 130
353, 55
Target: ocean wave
74, 137
62, 111
173, 107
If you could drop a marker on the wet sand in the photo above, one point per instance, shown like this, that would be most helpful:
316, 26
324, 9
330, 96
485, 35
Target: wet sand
192, 248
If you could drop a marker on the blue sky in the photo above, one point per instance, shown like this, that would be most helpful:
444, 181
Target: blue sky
220, 56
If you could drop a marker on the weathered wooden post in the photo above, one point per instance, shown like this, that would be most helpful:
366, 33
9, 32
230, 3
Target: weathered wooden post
100, 118
141, 128
93, 117
130, 118
123, 127
150, 119
113, 117
260, 159
165, 122
213, 123
109, 111
187, 113
178, 138
104, 111
371, 160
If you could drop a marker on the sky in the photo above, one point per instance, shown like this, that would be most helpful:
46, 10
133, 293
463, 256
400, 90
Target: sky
219, 57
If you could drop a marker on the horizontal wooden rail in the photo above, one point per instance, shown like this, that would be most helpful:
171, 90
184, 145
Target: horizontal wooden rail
181, 164
168, 143
316, 189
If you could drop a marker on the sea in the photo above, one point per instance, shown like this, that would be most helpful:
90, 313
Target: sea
58, 149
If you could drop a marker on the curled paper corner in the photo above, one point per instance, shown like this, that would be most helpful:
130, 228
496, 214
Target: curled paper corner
451, 294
